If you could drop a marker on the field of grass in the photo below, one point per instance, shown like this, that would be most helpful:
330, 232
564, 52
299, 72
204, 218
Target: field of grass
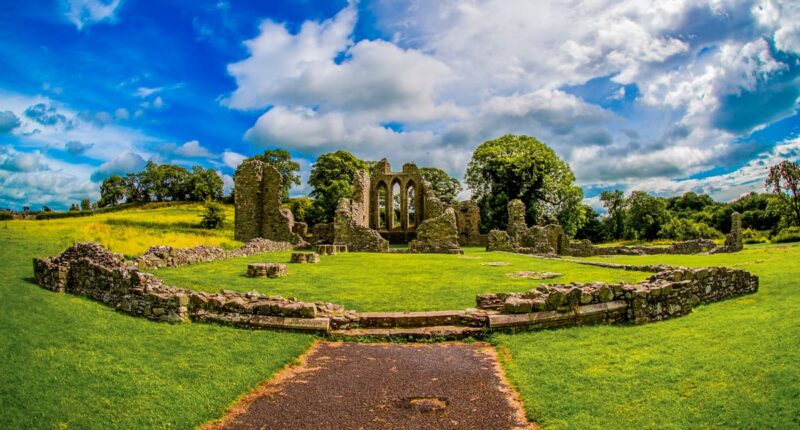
67, 362
734, 364
390, 282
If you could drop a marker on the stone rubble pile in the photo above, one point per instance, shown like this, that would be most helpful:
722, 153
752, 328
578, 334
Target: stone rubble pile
267, 270
168, 256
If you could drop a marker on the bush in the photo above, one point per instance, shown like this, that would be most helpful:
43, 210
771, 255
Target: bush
5, 216
685, 229
752, 236
790, 234
214, 217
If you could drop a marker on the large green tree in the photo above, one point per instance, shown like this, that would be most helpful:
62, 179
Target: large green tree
205, 184
614, 202
331, 179
646, 215
444, 187
165, 182
522, 167
289, 170
783, 179
112, 191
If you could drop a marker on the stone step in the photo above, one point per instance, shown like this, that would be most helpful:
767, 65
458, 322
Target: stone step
443, 332
589, 314
412, 319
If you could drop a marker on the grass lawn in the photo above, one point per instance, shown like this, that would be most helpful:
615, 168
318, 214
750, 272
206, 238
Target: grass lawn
734, 364
390, 282
67, 362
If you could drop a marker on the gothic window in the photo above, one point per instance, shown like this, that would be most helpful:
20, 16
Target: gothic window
412, 205
396, 205
382, 216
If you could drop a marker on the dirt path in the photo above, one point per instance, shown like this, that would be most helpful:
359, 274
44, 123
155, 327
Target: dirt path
385, 386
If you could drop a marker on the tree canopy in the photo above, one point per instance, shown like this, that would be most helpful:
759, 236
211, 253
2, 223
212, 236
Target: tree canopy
522, 167
444, 187
331, 178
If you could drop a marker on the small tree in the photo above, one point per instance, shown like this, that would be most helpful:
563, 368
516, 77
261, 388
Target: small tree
614, 201
74, 207
214, 216
784, 180
331, 178
86, 205
112, 190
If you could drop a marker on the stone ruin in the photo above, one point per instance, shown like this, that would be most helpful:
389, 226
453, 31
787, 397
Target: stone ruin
399, 207
258, 190
551, 240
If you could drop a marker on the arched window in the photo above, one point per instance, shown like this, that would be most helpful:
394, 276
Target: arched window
412, 205
383, 217
396, 205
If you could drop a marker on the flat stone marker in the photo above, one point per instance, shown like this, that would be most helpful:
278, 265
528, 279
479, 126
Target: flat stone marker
304, 257
385, 386
267, 270
330, 249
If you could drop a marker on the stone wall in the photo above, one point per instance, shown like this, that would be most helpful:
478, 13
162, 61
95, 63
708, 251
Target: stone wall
468, 221
258, 212
90, 270
670, 293
543, 240
167, 256
437, 235
347, 231
733, 240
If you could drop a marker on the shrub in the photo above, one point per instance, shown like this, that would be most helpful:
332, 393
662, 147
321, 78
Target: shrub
751, 236
685, 229
5, 216
790, 234
214, 217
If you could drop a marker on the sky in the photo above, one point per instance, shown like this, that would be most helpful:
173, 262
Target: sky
665, 96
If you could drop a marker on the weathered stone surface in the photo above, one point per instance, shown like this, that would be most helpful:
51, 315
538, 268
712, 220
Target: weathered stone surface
301, 229
437, 235
259, 189
267, 270
733, 240
323, 233
356, 237
691, 246
468, 221
516, 220
304, 257
330, 249
499, 240
167, 256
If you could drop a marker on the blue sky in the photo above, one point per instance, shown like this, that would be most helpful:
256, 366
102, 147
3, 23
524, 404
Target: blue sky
663, 97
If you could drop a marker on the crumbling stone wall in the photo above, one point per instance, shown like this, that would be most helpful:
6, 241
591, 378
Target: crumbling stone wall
357, 237
167, 256
667, 294
546, 240
468, 220
733, 240
437, 235
258, 213
323, 233
90, 270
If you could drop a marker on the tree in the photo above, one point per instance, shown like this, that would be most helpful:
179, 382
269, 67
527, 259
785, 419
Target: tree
136, 188
86, 205
444, 187
282, 160
592, 229
74, 207
165, 182
204, 184
646, 215
614, 202
331, 178
112, 191
300, 206
214, 216
784, 181
521, 167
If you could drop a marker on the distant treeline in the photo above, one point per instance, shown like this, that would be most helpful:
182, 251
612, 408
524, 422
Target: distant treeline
161, 182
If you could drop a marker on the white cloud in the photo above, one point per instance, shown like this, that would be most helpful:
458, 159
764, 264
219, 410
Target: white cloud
8, 121
86, 12
122, 113
193, 149
232, 159
21, 161
127, 162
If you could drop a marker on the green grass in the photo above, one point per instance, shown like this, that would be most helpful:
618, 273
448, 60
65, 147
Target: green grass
67, 362
733, 364
389, 282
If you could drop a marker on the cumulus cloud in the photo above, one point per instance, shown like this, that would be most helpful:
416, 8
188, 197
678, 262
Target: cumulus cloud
75, 147
8, 121
87, 12
13, 161
232, 159
44, 114
127, 162
192, 149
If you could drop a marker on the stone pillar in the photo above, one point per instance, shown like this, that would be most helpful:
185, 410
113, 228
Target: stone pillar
733, 240
516, 220
247, 194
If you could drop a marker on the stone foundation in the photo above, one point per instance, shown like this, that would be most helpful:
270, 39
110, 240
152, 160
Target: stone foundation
437, 235
267, 270
167, 256
330, 249
304, 257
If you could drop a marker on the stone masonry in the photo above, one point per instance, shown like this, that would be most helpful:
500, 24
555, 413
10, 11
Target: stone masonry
437, 235
258, 191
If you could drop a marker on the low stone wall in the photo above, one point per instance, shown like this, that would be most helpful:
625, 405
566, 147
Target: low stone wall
666, 294
90, 270
167, 256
